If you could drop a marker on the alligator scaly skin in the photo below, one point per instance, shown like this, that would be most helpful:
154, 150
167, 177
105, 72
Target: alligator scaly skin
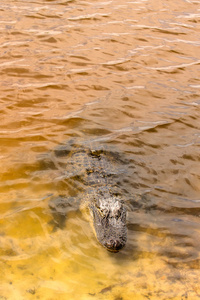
94, 171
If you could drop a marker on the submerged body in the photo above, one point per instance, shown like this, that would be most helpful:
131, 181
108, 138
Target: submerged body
94, 169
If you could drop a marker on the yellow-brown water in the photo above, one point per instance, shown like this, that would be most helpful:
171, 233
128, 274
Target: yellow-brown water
126, 74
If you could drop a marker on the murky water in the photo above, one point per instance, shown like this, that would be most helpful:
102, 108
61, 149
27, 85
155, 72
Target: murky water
125, 74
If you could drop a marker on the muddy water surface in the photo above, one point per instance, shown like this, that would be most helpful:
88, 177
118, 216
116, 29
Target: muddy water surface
125, 74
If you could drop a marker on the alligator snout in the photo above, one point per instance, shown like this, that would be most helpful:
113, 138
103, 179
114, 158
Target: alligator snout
114, 245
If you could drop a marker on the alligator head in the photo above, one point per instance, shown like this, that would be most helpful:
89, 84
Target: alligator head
109, 221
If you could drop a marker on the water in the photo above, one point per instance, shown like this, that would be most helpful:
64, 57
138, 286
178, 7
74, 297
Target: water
124, 74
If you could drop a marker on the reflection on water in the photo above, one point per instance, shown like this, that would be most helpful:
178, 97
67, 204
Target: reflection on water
124, 75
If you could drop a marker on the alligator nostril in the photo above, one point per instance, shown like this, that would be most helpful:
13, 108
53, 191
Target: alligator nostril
113, 245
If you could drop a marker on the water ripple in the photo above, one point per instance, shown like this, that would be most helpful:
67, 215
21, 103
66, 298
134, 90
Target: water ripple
122, 76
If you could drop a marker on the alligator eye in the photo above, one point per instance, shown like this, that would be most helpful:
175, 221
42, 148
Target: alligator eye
104, 212
116, 213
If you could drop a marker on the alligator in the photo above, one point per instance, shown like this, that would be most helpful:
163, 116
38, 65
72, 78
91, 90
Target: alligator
94, 170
